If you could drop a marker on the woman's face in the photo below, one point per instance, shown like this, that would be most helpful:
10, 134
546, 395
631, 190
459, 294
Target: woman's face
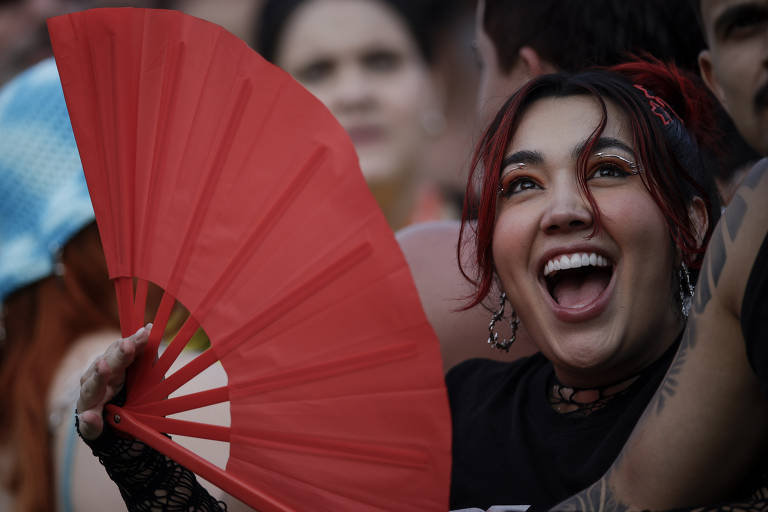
359, 59
614, 312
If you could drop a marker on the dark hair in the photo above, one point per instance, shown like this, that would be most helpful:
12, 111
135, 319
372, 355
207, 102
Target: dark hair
576, 35
696, 7
668, 152
418, 15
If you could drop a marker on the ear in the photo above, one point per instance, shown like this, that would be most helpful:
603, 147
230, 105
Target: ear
533, 64
708, 74
698, 215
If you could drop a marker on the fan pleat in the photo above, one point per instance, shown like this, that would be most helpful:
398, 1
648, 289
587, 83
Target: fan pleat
261, 230
219, 180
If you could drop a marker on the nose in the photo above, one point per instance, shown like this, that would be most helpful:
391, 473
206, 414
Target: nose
353, 89
567, 209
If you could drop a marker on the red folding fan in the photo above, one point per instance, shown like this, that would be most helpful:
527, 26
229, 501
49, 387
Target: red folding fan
219, 179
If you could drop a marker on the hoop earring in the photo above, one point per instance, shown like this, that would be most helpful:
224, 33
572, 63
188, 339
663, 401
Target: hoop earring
514, 322
686, 290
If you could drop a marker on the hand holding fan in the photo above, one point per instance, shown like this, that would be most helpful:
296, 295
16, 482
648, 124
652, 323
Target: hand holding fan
216, 177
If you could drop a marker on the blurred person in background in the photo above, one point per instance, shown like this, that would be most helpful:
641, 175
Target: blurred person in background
370, 62
58, 304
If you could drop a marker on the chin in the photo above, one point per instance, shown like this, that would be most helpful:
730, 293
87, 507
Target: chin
377, 173
583, 352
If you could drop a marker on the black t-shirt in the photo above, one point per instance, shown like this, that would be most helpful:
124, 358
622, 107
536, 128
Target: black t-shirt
511, 448
754, 316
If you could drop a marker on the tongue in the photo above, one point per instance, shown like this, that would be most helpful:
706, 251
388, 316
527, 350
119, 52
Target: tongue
575, 290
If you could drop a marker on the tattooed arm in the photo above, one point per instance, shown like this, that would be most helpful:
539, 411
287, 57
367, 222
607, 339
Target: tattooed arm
706, 425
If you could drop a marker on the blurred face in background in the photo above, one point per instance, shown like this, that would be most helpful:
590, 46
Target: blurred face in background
495, 86
359, 58
736, 64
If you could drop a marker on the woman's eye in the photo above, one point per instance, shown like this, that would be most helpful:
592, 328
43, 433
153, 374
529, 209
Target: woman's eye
609, 171
517, 186
315, 71
746, 22
381, 60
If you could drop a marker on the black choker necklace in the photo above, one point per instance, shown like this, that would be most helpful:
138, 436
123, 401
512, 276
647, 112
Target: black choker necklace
584, 401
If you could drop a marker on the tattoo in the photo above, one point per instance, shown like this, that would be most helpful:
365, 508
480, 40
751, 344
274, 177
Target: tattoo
756, 174
599, 496
703, 292
717, 255
668, 386
734, 215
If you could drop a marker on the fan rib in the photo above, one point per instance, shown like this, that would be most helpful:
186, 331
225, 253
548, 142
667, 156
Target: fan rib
337, 448
124, 292
305, 374
174, 348
268, 222
180, 376
137, 384
140, 302
295, 297
184, 428
227, 481
164, 407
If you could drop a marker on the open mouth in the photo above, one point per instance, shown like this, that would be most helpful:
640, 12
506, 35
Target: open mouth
577, 280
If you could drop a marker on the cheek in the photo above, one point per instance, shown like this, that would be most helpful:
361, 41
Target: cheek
405, 96
404, 102
637, 224
324, 92
512, 237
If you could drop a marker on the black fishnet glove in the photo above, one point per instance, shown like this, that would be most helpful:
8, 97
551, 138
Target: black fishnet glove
148, 480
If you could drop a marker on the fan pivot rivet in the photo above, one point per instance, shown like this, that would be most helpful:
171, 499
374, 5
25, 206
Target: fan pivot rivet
117, 418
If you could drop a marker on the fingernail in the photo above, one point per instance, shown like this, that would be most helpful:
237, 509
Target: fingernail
139, 331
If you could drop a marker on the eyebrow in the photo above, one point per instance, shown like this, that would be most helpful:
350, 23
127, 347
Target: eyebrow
736, 12
522, 157
601, 144
535, 157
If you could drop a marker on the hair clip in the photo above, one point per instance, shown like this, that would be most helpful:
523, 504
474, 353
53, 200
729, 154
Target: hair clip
659, 107
632, 165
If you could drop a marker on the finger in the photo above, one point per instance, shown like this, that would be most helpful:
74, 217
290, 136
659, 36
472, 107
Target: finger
93, 389
121, 354
90, 424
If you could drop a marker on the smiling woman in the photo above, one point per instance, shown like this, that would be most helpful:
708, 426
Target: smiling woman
594, 214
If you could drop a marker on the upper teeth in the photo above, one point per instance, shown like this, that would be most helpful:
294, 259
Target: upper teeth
575, 260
